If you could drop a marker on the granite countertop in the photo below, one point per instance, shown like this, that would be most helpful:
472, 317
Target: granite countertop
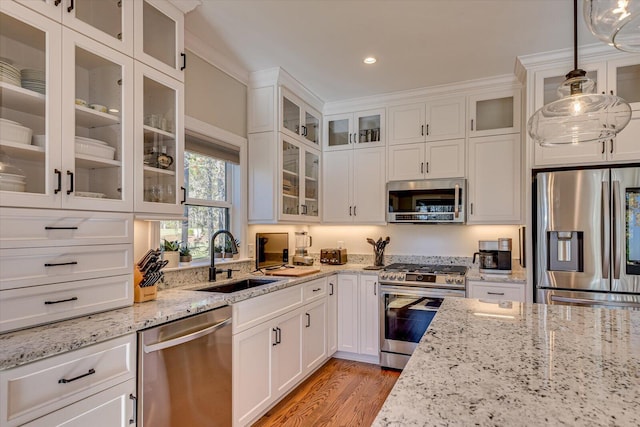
28, 345
518, 274
519, 364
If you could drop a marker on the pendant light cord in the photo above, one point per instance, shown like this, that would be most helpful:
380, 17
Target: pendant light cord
575, 34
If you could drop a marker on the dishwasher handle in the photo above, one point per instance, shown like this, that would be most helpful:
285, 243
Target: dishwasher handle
186, 338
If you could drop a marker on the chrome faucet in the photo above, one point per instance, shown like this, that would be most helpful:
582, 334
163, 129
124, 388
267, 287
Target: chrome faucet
234, 250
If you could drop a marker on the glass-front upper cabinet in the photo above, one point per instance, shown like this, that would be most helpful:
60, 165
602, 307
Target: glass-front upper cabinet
159, 37
494, 113
108, 21
298, 119
159, 143
97, 131
300, 181
624, 80
30, 118
361, 129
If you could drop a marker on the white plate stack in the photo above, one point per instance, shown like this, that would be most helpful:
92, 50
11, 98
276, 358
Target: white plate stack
34, 80
9, 73
94, 147
12, 182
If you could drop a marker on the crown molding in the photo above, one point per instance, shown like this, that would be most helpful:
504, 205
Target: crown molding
215, 58
279, 76
586, 53
186, 6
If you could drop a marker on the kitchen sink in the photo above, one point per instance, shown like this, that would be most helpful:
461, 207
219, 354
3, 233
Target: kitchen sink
239, 285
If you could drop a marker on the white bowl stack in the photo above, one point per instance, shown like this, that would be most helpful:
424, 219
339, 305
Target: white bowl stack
11, 131
9, 73
94, 147
34, 80
12, 182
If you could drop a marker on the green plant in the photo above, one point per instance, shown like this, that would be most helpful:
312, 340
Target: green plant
170, 245
185, 250
217, 249
228, 247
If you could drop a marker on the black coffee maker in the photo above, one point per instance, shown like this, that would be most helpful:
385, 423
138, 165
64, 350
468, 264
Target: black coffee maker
494, 256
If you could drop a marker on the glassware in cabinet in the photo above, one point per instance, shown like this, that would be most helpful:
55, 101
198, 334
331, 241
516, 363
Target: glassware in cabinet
290, 179
29, 107
159, 142
311, 183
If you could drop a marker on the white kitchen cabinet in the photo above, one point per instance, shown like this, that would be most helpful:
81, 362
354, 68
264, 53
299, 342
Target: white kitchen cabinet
284, 179
439, 159
49, 385
435, 120
60, 169
159, 37
113, 407
619, 76
354, 186
486, 290
494, 113
287, 364
359, 129
109, 22
298, 119
159, 142
369, 321
358, 320
314, 335
494, 184
332, 315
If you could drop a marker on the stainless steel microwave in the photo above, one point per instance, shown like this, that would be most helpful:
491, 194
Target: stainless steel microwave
431, 201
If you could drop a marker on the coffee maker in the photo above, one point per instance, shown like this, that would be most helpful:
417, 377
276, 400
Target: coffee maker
303, 241
494, 256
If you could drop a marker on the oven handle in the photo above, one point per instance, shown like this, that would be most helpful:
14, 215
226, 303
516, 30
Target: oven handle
456, 197
422, 292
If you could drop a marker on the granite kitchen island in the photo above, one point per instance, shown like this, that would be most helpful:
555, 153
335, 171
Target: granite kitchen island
517, 364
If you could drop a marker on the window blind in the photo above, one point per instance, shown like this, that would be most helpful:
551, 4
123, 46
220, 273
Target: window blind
204, 145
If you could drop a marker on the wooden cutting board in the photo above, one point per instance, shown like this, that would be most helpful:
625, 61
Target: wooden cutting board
292, 272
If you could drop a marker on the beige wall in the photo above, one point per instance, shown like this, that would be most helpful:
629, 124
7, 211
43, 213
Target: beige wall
214, 97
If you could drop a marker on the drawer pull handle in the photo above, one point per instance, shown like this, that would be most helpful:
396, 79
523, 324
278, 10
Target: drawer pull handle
495, 293
62, 300
134, 420
60, 228
65, 381
61, 263
317, 289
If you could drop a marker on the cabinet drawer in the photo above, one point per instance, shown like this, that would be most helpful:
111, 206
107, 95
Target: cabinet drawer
35, 305
314, 290
497, 291
39, 388
40, 266
22, 228
114, 407
252, 312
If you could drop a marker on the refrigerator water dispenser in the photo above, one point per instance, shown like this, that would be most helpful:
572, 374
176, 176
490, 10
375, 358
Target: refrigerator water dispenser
565, 250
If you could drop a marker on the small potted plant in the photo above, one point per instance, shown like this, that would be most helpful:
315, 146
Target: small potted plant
171, 252
185, 253
217, 251
228, 248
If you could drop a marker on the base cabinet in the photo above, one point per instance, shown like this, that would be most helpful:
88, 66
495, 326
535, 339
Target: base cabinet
358, 322
332, 315
484, 290
272, 354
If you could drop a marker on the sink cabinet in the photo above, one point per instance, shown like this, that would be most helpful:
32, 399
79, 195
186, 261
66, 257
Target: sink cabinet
278, 339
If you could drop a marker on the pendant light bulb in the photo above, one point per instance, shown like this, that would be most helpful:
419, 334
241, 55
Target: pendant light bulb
615, 22
579, 115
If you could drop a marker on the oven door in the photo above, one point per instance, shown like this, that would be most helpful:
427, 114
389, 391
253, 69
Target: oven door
405, 315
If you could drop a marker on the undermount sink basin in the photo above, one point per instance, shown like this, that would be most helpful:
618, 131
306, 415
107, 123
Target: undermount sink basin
240, 285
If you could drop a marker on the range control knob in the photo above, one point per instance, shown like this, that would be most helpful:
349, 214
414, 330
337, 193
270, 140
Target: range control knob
460, 280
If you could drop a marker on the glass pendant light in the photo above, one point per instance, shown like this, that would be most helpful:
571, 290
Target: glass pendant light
615, 22
580, 115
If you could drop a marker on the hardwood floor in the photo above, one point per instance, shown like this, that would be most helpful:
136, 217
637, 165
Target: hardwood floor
341, 393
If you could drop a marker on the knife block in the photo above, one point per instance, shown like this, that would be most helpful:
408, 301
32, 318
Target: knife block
147, 293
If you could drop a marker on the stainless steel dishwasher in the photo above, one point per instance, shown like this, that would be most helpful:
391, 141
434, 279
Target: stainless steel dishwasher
184, 371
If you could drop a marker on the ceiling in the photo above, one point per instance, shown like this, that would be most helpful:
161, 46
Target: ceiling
418, 43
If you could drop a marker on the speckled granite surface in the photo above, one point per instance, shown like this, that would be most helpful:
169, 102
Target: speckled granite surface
181, 300
518, 274
517, 364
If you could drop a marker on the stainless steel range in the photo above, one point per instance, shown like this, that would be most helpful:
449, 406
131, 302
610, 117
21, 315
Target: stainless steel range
410, 295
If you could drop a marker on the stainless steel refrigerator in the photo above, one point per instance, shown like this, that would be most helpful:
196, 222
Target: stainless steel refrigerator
587, 237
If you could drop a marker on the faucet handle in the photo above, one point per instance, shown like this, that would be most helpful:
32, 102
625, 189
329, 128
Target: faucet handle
229, 271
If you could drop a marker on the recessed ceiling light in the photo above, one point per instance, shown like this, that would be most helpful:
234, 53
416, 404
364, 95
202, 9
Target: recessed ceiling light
370, 60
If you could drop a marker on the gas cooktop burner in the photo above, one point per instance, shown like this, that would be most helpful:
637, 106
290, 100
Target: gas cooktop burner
427, 268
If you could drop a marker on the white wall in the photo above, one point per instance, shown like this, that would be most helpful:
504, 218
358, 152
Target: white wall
406, 239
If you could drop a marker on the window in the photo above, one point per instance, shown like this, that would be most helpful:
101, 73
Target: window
208, 179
